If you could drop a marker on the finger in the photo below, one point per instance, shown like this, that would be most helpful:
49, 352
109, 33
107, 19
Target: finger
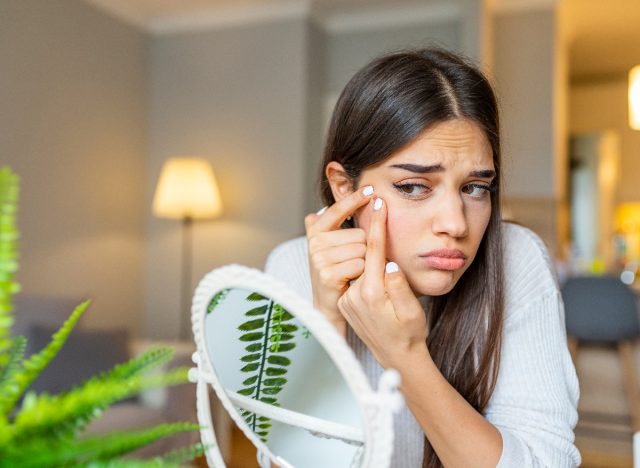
338, 254
323, 240
399, 292
341, 274
336, 214
311, 218
375, 257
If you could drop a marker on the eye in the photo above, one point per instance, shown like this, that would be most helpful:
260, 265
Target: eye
412, 190
478, 190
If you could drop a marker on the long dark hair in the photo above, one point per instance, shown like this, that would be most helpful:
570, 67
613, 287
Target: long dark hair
385, 106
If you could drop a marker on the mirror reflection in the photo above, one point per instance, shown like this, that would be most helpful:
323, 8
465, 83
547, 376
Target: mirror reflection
281, 381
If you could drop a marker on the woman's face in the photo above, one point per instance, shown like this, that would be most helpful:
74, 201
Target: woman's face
437, 191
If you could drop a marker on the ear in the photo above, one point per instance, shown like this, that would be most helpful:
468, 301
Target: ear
340, 182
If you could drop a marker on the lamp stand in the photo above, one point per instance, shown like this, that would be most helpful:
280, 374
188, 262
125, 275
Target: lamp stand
185, 302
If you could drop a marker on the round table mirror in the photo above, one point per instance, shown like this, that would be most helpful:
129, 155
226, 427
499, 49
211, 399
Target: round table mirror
287, 379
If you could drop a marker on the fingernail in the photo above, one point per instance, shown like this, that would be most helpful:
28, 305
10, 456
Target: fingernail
377, 204
391, 267
322, 210
368, 190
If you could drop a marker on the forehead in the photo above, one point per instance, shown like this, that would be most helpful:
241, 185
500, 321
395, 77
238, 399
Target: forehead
451, 143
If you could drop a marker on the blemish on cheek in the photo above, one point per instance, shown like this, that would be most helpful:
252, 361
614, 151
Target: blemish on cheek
362, 217
400, 226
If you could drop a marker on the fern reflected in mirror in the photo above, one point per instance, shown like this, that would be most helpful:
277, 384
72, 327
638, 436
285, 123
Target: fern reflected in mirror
281, 382
268, 335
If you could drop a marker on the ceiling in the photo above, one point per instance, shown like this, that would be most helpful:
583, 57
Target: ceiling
145, 11
604, 36
150, 9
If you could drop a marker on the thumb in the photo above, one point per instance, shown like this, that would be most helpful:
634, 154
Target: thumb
404, 301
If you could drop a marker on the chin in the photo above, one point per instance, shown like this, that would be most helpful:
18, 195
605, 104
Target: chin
432, 283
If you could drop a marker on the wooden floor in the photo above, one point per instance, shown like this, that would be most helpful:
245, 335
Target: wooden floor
605, 440
243, 453
598, 460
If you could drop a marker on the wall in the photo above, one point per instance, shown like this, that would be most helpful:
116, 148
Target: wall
525, 74
73, 125
349, 51
236, 96
317, 125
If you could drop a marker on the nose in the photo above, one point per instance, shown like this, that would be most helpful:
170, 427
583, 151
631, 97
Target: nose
450, 217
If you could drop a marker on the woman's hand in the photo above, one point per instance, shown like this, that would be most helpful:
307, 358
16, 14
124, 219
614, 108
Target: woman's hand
336, 256
380, 305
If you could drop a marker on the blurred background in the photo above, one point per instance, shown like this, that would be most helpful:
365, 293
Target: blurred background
97, 95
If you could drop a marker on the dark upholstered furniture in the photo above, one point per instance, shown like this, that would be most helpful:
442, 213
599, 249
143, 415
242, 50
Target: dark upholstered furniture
603, 310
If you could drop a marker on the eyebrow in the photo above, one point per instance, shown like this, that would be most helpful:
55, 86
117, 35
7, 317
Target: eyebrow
419, 169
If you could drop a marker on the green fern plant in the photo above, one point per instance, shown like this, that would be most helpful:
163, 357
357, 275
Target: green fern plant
8, 256
268, 334
47, 430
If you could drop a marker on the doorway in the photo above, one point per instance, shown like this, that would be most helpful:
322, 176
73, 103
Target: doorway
594, 161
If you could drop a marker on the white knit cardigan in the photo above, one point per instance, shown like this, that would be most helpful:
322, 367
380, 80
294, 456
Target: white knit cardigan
534, 404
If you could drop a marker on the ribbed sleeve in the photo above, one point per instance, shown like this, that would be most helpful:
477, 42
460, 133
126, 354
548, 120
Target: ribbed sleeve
534, 404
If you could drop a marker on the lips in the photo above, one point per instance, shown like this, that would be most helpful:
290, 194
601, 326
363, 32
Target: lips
445, 259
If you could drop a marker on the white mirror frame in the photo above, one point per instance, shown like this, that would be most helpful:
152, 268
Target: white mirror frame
377, 408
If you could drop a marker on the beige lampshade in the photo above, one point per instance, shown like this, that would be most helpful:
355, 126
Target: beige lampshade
187, 188
634, 98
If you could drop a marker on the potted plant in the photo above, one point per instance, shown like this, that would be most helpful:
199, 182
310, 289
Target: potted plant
43, 430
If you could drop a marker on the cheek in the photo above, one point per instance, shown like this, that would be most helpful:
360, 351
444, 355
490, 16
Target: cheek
478, 222
401, 227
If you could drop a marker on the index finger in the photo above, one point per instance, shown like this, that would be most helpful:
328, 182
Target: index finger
375, 258
335, 215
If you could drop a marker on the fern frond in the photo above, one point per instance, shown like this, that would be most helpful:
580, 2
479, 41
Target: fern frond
33, 366
14, 361
61, 416
136, 366
217, 300
148, 360
182, 455
10, 370
256, 297
9, 192
105, 447
268, 336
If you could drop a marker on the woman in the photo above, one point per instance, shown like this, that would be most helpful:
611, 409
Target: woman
410, 261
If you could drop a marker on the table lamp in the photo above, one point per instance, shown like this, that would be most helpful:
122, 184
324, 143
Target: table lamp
186, 190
